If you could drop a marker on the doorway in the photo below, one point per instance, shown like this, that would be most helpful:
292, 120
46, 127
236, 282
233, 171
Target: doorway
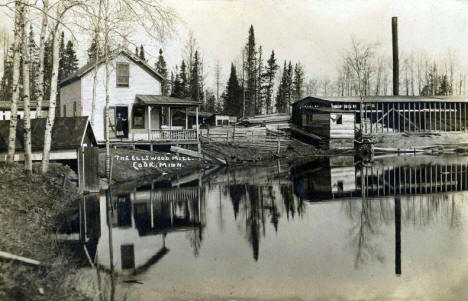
121, 121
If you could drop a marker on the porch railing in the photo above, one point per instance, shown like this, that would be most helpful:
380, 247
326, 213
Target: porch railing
178, 135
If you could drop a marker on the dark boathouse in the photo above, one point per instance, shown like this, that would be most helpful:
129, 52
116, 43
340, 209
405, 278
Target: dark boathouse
73, 143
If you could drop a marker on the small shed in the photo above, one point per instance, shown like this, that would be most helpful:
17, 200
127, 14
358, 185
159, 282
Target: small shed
220, 120
336, 126
73, 143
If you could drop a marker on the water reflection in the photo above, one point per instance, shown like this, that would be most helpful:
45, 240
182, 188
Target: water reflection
331, 216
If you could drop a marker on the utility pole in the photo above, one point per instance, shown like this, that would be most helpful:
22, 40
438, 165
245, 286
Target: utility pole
396, 67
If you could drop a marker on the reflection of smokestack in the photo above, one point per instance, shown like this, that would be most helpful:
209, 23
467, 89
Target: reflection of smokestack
396, 68
397, 236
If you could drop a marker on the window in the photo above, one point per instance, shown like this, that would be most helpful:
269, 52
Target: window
74, 109
340, 186
339, 119
64, 110
123, 74
138, 118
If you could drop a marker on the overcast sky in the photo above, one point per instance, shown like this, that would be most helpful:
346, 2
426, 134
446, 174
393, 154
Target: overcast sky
317, 32
314, 32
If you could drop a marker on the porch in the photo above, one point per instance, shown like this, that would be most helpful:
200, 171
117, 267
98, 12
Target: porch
155, 119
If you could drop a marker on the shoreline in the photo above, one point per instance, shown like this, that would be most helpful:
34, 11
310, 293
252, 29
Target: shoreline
30, 213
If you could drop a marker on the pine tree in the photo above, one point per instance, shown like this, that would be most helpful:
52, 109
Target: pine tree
7, 78
260, 103
196, 91
250, 70
298, 82
281, 96
178, 90
70, 60
268, 78
161, 67
47, 67
289, 87
61, 71
443, 86
92, 50
33, 65
142, 53
210, 102
232, 96
171, 84
184, 80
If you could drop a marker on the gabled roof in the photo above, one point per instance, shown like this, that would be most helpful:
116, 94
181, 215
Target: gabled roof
92, 64
67, 133
165, 100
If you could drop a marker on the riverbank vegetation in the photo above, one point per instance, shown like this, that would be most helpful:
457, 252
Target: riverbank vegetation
29, 213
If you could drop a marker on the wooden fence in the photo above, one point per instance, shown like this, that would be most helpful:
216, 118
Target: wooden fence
256, 137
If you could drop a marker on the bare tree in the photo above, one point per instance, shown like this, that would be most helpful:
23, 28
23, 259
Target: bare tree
191, 45
19, 10
360, 59
114, 22
60, 11
96, 62
26, 96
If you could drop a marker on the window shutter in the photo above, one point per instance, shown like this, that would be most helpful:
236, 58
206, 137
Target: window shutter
123, 74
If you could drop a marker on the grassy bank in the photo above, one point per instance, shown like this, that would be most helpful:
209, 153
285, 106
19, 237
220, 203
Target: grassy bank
128, 165
29, 213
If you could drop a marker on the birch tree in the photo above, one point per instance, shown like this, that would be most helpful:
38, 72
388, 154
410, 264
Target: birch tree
19, 10
115, 23
26, 96
42, 38
60, 11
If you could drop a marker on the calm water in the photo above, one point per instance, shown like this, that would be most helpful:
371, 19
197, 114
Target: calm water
332, 229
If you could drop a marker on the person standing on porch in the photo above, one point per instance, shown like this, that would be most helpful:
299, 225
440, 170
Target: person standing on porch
119, 127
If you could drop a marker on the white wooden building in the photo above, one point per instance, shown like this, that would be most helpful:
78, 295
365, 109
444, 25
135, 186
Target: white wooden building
139, 114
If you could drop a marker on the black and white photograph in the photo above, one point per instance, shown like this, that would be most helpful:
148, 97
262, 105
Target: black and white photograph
233, 150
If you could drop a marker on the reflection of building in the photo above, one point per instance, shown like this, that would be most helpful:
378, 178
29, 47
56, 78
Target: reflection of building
325, 178
338, 177
410, 189
137, 219
81, 226
141, 215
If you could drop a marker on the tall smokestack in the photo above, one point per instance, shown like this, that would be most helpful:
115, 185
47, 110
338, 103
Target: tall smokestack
396, 67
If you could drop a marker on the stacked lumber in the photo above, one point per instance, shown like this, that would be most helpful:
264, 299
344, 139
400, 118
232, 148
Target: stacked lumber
270, 118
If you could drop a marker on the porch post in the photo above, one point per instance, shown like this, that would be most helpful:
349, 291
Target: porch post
186, 119
170, 117
198, 129
149, 123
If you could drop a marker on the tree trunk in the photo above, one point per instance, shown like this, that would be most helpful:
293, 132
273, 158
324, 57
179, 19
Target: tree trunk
96, 41
26, 99
52, 101
106, 109
16, 73
40, 82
